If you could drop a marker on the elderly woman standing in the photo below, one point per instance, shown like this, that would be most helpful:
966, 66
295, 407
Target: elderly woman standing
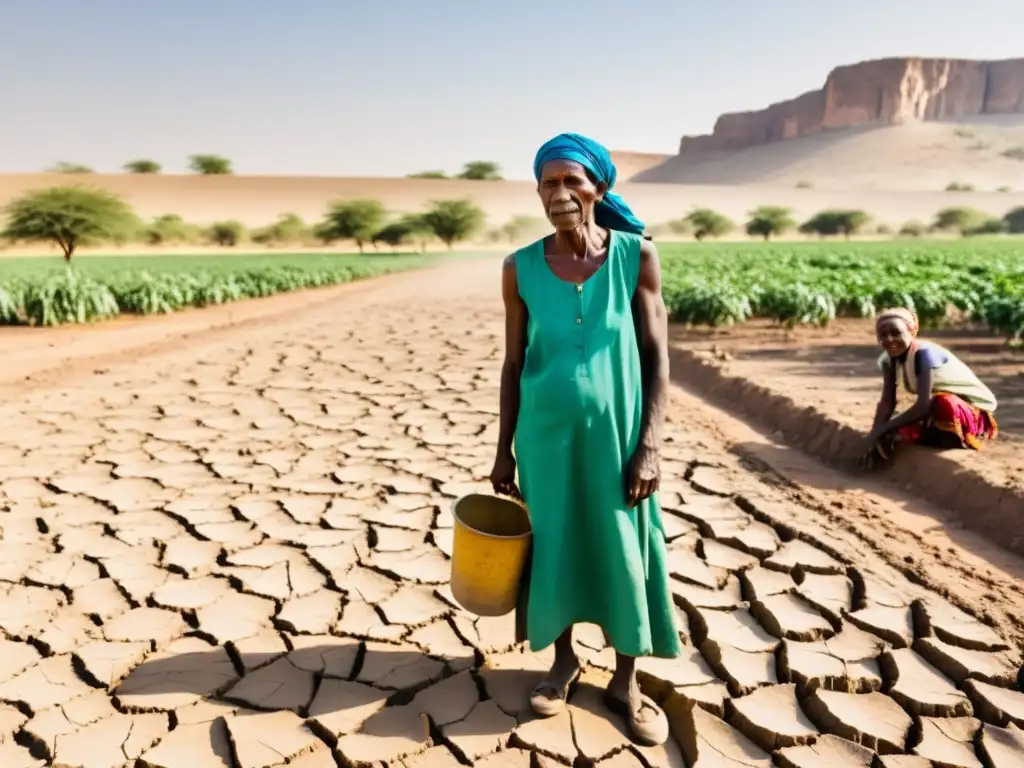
583, 394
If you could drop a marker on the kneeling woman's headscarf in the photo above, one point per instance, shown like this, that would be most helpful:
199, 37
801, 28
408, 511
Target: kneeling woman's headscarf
612, 212
899, 313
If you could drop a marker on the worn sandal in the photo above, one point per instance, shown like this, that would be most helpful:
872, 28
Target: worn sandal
647, 733
549, 707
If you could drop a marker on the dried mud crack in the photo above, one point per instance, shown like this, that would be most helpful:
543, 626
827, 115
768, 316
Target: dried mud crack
236, 555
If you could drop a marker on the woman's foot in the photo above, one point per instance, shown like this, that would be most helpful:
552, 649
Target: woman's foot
549, 698
646, 720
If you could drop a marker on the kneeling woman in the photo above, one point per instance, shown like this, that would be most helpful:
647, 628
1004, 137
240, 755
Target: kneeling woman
953, 408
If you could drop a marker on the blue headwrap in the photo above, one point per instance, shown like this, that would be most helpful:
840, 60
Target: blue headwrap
612, 212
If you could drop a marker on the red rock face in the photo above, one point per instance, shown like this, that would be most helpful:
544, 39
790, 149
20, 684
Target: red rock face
879, 92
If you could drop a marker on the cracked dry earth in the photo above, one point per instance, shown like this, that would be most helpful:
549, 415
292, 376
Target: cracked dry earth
237, 555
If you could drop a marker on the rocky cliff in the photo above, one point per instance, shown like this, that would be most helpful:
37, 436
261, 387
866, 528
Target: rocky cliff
879, 92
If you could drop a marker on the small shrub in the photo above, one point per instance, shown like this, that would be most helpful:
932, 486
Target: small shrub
142, 166
964, 133
957, 186
1014, 221
913, 229
1004, 190
428, 175
226, 233
408, 229
288, 229
884, 229
679, 226
960, 219
990, 226
70, 168
171, 228
481, 170
803, 184
705, 223
1014, 153
836, 222
522, 228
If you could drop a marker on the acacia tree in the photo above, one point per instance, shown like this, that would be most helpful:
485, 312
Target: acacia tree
705, 222
142, 166
768, 220
453, 220
210, 165
357, 220
481, 170
70, 217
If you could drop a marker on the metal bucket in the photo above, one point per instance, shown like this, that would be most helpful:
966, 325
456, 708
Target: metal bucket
491, 542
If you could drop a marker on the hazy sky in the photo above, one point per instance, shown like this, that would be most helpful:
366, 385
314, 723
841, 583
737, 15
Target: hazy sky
379, 87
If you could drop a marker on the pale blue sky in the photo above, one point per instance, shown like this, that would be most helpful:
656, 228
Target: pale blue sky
339, 87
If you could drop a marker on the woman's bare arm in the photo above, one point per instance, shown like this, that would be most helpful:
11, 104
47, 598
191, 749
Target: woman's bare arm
651, 320
515, 354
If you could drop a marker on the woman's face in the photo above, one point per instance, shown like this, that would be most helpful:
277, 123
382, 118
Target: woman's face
568, 194
894, 336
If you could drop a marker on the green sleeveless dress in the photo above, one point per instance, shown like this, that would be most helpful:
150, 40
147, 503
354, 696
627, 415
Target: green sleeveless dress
595, 560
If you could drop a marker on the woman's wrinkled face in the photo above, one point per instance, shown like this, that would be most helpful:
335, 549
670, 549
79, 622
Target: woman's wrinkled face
568, 194
894, 336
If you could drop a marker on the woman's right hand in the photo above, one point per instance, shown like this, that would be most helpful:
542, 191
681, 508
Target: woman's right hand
503, 476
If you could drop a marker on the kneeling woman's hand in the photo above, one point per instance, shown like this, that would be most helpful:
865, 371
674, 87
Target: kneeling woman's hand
643, 476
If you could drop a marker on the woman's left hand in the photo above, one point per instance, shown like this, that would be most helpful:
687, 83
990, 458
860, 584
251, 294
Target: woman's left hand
643, 476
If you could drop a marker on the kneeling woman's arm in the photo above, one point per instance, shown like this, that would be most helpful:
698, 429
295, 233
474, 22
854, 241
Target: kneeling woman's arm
918, 411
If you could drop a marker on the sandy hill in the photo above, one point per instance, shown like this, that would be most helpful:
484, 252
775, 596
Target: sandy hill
987, 152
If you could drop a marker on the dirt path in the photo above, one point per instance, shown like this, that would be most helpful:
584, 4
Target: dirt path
234, 553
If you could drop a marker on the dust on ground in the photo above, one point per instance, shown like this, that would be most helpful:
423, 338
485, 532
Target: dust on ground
233, 549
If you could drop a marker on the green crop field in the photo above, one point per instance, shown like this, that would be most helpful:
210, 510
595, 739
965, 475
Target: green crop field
813, 283
39, 291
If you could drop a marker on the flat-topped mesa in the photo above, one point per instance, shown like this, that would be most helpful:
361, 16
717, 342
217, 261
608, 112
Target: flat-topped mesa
878, 92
